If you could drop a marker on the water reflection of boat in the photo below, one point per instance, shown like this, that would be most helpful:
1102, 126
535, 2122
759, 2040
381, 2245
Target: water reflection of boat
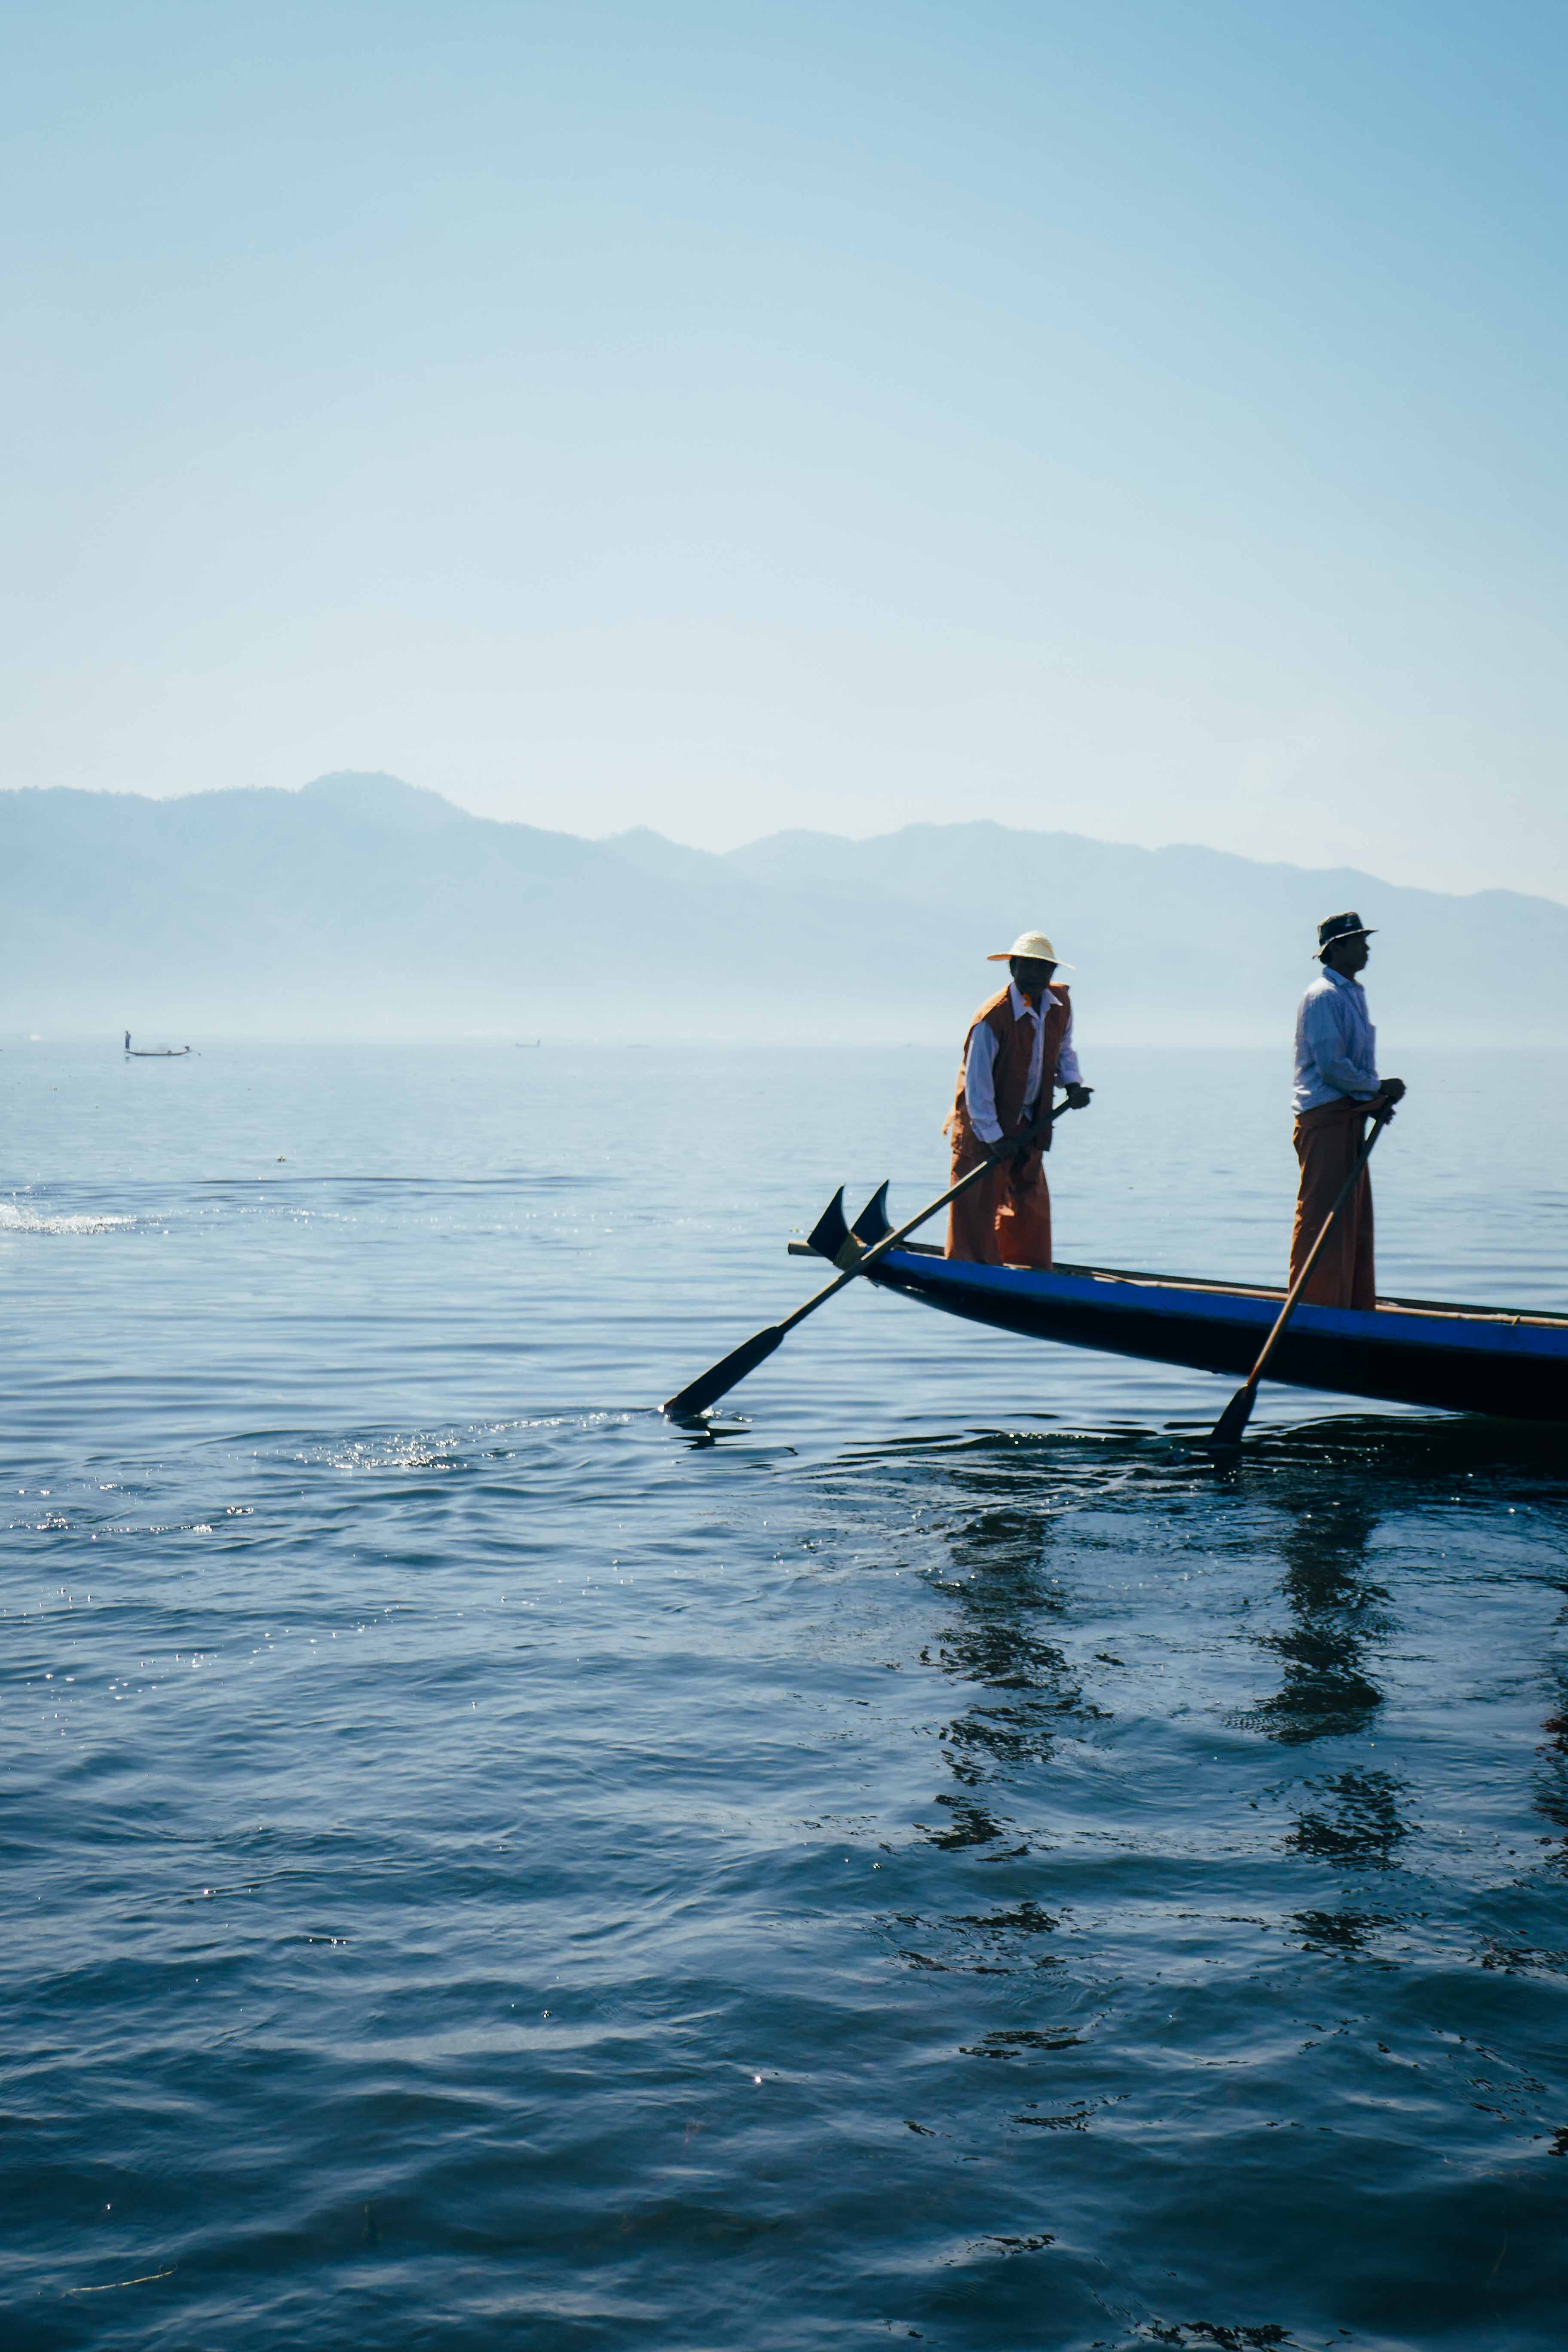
1406, 1351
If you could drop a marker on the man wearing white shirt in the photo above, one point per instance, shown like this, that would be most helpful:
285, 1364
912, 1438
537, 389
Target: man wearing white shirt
1019, 1044
1337, 1086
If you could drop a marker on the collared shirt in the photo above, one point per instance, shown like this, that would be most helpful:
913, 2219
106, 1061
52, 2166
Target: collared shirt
1336, 1045
980, 1066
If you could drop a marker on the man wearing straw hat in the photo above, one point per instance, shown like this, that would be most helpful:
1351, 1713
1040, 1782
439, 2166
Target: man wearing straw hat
1019, 1044
1337, 1086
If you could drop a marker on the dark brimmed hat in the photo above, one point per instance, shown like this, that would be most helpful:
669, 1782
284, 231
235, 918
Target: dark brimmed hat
1341, 927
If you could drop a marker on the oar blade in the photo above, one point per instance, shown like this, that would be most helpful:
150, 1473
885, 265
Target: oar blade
1230, 1428
721, 1376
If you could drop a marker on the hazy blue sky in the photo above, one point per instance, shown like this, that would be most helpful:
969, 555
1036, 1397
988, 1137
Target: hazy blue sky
1145, 418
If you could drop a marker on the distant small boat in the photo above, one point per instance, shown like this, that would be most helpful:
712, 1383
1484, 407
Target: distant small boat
155, 1053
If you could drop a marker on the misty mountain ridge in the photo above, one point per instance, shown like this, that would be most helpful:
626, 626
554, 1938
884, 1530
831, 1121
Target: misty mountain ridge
364, 906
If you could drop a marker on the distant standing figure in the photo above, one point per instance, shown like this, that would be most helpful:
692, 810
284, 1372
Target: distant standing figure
1019, 1044
1337, 1085
128, 1040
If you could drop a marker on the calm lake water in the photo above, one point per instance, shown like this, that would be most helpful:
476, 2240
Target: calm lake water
937, 1861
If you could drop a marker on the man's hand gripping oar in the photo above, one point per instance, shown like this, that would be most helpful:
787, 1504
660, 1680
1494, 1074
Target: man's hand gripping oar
721, 1376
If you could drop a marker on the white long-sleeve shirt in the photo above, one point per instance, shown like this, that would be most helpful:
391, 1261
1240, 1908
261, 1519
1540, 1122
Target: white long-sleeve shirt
1336, 1045
980, 1068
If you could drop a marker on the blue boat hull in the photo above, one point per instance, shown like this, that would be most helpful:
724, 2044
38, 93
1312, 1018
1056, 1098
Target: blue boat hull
1461, 1359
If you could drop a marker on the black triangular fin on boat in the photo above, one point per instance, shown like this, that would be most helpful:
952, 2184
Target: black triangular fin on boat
830, 1233
872, 1222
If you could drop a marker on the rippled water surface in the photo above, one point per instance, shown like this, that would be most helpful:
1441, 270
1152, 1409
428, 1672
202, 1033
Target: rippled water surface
934, 1861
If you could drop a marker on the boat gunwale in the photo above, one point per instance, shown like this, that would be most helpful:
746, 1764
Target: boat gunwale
1433, 1310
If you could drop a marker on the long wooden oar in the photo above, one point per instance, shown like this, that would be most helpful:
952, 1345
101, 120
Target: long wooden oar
1228, 1430
698, 1395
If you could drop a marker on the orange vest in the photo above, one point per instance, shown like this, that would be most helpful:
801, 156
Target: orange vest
1015, 1051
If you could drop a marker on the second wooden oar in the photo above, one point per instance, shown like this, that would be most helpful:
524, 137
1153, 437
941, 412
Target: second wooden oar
721, 1376
1228, 1430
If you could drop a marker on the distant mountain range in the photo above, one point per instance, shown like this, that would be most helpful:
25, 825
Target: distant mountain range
363, 906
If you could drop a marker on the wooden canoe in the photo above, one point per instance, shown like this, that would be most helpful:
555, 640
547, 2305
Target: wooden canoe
1458, 1358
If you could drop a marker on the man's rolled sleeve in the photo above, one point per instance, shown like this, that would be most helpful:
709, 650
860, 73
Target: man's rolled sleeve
1068, 1071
